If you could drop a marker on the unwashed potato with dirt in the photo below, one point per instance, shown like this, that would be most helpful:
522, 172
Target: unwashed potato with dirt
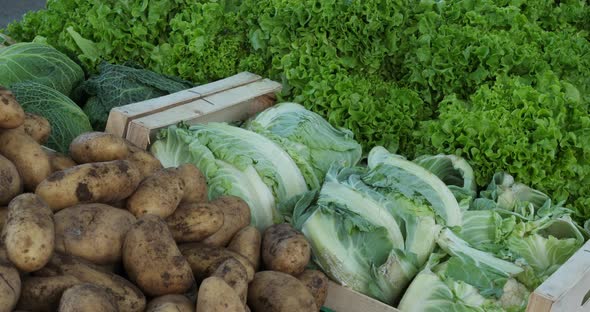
152, 259
195, 190
234, 274
216, 295
59, 161
236, 216
27, 156
285, 249
29, 232
272, 291
171, 303
127, 295
37, 127
43, 293
144, 160
158, 194
10, 285
247, 242
95, 232
11, 113
103, 182
93, 147
202, 257
87, 298
194, 222
10, 181
317, 283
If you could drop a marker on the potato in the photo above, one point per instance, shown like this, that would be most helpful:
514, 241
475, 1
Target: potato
195, 190
158, 194
11, 113
87, 297
171, 303
194, 222
127, 295
284, 249
59, 161
272, 291
93, 147
10, 286
103, 182
27, 156
29, 232
247, 242
202, 257
95, 232
146, 162
43, 293
317, 283
152, 259
236, 216
234, 274
216, 295
10, 181
37, 127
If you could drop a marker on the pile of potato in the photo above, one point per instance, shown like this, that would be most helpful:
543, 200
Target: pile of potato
106, 228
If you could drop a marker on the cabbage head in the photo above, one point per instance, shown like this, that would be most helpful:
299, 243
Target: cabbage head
40, 63
66, 118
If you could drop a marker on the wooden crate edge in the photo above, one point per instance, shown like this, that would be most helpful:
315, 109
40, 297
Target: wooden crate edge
235, 104
344, 299
119, 117
566, 287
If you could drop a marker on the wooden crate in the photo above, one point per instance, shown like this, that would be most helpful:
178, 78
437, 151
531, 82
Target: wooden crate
232, 99
241, 96
342, 299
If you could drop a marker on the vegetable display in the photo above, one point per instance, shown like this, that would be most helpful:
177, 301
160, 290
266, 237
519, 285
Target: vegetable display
108, 228
431, 155
395, 227
283, 152
503, 84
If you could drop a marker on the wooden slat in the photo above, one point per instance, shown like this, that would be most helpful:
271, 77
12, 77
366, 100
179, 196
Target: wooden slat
119, 117
342, 299
538, 303
565, 289
231, 105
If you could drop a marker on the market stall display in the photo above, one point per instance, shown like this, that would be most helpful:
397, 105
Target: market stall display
414, 156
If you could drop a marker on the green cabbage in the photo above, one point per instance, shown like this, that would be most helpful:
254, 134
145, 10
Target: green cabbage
67, 120
464, 284
522, 225
40, 63
236, 162
412, 180
310, 140
353, 235
455, 172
